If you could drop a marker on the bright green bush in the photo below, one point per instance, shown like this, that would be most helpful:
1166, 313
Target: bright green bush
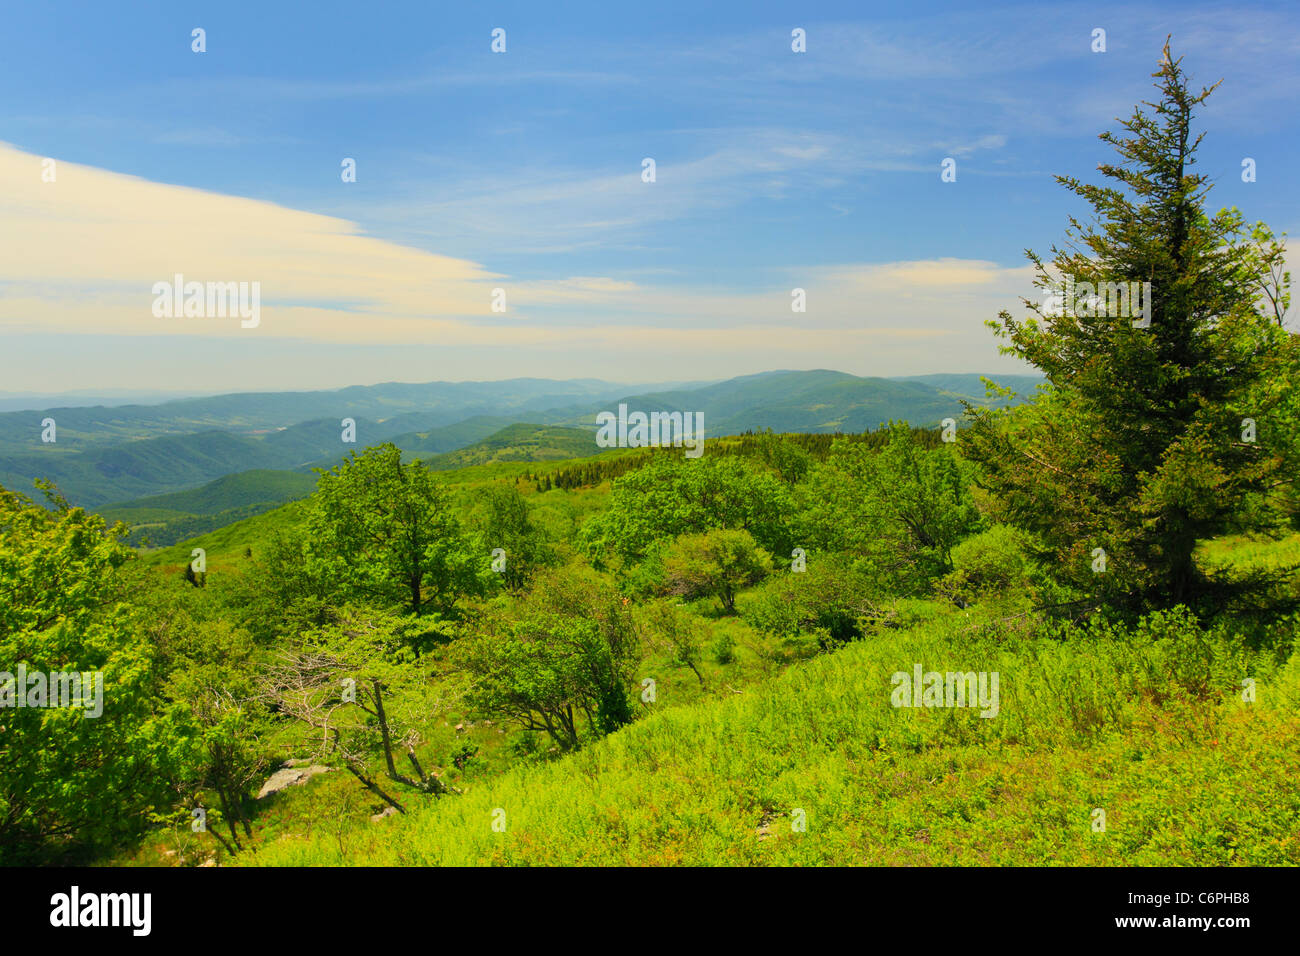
81, 772
557, 660
830, 597
992, 564
717, 563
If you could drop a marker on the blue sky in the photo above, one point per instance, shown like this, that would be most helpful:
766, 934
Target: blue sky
521, 170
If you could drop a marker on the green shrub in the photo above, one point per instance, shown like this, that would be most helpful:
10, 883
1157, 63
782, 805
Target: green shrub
830, 598
991, 564
464, 757
717, 563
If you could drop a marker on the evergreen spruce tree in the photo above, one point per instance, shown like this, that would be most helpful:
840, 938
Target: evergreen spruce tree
1139, 447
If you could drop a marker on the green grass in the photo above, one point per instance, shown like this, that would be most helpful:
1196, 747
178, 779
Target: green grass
1245, 553
1082, 725
332, 804
712, 772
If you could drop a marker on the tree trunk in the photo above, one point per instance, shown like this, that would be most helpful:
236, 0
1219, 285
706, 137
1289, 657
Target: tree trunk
373, 787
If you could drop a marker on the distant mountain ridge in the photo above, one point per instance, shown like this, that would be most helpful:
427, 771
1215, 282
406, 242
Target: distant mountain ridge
129, 452
402, 407
819, 400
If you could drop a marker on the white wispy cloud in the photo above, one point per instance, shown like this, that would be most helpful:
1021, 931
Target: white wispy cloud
82, 254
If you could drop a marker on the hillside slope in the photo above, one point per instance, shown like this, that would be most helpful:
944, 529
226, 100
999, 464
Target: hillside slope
163, 520
723, 782
972, 386
521, 442
228, 491
98, 475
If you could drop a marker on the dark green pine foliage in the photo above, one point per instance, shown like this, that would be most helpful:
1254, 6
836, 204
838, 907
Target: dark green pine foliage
1139, 447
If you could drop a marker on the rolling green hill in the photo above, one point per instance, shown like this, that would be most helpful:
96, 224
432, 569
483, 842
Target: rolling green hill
436, 441
226, 545
98, 475
419, 444
521, 443
230, 491
163, 520
971, 386
102, 474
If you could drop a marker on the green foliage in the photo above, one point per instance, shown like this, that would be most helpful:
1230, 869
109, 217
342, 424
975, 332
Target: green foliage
994, 563
464, 757
71, 777
830, 600
499, 518
680, 632
785, 457
1169, 655
716, 563
382, 530
1137, 448
560, 654
221, 750
723, 648
900, 509
672, 497
355, 687
1265, 269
